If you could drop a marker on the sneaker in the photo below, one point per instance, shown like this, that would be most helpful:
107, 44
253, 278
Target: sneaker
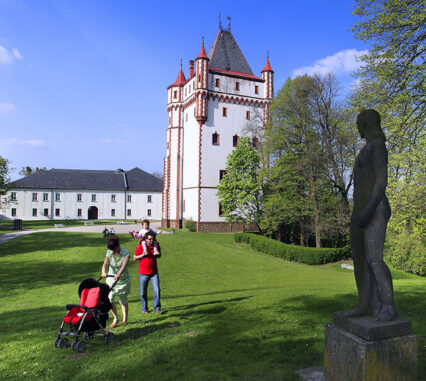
158, 312
145, 312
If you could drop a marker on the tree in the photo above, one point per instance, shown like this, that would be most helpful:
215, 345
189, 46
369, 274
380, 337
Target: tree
311, 144
391, 80
4, 175
26, 171
239, 190
158, 175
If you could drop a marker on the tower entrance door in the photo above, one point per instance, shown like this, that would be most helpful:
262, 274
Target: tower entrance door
92, 213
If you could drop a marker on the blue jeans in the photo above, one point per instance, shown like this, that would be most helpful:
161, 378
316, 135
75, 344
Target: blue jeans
143, 283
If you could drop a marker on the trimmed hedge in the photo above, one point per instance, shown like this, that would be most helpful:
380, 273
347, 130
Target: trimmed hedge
308, 255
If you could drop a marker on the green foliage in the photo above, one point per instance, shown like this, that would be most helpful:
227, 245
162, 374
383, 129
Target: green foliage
239, 190
308, 255
4, 175
190, 225
311, 145
26, 171
392, 78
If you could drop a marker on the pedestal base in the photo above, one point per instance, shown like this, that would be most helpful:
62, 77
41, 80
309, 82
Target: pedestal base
351, 358
348, 357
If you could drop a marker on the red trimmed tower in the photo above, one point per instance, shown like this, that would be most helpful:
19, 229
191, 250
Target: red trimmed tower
268, 77
172, 188
208, 112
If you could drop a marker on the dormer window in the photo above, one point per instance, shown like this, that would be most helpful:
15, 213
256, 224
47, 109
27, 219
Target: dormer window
237, 86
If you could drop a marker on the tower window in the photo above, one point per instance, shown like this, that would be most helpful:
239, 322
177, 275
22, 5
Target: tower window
237, 86
215, 139
217, 82
256, 89
175, 94
13, 212
248, 115
235, 140
225, 112
199, 78
12, 196
79, 212
148, 212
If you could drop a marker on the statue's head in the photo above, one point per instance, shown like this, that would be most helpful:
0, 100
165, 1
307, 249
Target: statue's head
368, 123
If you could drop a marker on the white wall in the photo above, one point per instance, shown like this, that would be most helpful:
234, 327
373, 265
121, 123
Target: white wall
68, 205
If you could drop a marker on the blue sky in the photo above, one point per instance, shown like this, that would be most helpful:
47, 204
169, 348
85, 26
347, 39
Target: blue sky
83, 82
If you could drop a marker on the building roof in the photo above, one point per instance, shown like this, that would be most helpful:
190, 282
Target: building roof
225, 54
81, 179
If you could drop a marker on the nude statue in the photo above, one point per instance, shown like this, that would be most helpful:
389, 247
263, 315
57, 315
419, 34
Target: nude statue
369, 221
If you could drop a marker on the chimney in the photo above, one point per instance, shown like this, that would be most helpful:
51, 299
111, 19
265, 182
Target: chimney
191, 68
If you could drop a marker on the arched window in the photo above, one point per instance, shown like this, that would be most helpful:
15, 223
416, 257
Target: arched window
215, 139
255, 142
235, 139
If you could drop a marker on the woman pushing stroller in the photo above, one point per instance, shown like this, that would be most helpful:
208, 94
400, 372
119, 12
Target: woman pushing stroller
116, 261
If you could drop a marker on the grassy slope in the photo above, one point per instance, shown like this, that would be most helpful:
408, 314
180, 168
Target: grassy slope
232, 313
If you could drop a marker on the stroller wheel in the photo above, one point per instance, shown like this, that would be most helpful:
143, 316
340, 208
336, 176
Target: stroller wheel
62, 343
80, 346
109, 337
56, 342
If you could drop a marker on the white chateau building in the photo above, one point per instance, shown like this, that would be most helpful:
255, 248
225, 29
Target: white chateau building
208, 112
58, 194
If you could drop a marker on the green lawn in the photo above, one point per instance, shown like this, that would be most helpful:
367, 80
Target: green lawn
231, 313
7, 226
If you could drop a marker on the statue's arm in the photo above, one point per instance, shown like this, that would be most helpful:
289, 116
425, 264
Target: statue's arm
379, 157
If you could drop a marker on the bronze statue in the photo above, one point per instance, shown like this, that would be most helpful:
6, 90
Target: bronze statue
368, 223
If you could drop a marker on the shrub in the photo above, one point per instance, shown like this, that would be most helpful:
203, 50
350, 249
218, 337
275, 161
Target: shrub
190, 225
308, 255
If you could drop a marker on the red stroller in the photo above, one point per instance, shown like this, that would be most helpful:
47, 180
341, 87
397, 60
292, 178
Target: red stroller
89, 316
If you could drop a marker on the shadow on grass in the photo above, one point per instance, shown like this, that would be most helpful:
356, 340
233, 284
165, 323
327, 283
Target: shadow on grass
190, 306
58, 241
31, 274
138, 332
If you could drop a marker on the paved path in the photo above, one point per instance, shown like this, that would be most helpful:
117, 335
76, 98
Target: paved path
119, 229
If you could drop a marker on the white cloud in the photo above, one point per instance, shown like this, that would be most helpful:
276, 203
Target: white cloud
6, 107
7, 58
17, 54
344, 61
23, 143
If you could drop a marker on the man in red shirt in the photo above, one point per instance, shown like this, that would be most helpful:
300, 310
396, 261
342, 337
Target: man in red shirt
148, 271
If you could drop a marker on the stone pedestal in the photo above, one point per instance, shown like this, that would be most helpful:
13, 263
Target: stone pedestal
363, 349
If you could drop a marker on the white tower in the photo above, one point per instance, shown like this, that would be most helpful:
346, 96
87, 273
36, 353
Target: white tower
207, 115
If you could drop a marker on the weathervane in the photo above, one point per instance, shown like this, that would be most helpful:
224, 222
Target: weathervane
229, 22
220, 23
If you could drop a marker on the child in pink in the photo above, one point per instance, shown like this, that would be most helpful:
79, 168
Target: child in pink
141, 234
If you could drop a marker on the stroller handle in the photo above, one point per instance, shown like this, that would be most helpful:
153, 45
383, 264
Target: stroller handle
110, 276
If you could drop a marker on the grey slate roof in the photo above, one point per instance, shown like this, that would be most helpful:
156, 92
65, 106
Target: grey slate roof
225, 54
79, 179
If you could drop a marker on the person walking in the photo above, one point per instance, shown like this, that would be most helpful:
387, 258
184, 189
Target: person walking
116, 261
148, 271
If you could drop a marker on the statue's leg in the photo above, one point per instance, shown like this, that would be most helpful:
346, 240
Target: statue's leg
374, 236
362, 272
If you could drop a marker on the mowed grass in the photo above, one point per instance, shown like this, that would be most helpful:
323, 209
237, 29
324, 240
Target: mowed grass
230, 313
6, 226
